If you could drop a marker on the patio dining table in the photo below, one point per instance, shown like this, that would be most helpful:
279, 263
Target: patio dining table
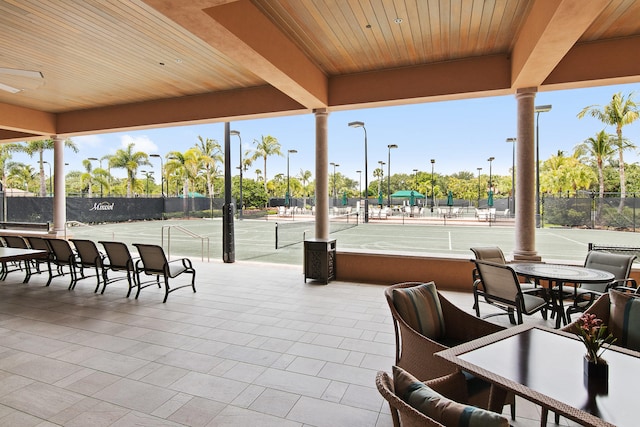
545, 366
19, 254
556, 275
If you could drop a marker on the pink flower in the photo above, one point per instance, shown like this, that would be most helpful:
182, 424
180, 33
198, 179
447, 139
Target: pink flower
593, 335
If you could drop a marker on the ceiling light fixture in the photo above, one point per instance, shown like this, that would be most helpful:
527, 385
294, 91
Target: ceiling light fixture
398, 20
9, 89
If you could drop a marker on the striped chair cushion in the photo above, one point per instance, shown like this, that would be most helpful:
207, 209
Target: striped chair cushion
624, 319
419, 306
439, 408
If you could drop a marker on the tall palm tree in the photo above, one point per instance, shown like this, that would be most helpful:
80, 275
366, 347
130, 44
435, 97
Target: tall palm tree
130, 161
21, 176
186, 165
304, 176
619, 112
210, 155
266, 147
600, 148
86, 179
39, 147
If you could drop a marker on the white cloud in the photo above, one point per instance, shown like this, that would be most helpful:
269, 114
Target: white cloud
140, 143
88, 141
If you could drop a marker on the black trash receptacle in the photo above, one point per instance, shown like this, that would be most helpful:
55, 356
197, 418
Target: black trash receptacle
320, 259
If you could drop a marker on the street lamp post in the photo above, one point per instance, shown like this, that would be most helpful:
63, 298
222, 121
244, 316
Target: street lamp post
288, 186
161, 174
479, 169
433, 196
335, 165
390, 146
360, 184
50, 185
237, 133
512, 206
490, 160
538, 109
366, 174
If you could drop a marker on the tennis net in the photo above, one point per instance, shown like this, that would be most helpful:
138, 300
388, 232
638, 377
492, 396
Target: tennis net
291, 233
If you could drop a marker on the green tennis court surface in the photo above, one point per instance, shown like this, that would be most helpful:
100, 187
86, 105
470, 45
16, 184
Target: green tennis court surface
255, 239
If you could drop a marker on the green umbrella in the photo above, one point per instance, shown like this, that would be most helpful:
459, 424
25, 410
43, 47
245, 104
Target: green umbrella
344, 198
490, 199
286, 198
412, 198
450, 198
380, 198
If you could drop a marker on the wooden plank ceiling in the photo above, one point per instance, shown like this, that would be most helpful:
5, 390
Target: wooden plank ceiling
73, 67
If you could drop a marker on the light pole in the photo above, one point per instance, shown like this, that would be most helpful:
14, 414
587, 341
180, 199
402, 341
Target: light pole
335, 165
538, 109
360, 183
237, 133
366, 174
50, 185
433, 196
381, 163
288, 186
512, 206
490, 160
390, 146
479, 169
161, 174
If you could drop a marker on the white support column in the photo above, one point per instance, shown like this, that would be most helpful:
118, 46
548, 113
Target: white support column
59, 196
322, 174
525, 232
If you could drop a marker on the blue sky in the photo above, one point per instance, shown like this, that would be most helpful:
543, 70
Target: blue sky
459, 135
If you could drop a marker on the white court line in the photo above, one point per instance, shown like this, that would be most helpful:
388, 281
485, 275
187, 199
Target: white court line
570, 240
450, 248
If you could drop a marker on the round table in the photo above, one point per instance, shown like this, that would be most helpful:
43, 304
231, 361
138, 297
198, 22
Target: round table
556, 275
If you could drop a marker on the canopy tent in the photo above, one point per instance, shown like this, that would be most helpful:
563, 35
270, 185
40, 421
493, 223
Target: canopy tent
407, 194
191, 194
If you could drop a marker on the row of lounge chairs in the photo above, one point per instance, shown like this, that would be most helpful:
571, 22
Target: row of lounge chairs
81, 259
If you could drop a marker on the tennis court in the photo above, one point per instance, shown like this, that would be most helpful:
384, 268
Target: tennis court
255, 239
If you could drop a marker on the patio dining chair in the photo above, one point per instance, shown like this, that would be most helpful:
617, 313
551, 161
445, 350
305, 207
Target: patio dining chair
493, 254
425, 322
89, 257
118, 259
154, 262
585, 294
502, 288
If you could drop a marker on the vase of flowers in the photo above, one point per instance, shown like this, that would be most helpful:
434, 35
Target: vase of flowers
596, 339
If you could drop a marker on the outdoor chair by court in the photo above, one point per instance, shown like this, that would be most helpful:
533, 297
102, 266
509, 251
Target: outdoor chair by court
492, 254
585, 294
502, 288
89, 257
40, 243
118, 259
425, 322
153, 262
16, 242
63, 257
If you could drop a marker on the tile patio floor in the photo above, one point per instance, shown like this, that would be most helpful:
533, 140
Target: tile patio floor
254, 346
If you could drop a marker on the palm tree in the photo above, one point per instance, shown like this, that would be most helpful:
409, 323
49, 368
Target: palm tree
599, 148
20, 175
210, 155
130, 161
185, 165
304, 176
267, 146
86, 179
39, 147
258, 173
619, 112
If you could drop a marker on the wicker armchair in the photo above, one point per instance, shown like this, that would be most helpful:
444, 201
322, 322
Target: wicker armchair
451, 386
415, 352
